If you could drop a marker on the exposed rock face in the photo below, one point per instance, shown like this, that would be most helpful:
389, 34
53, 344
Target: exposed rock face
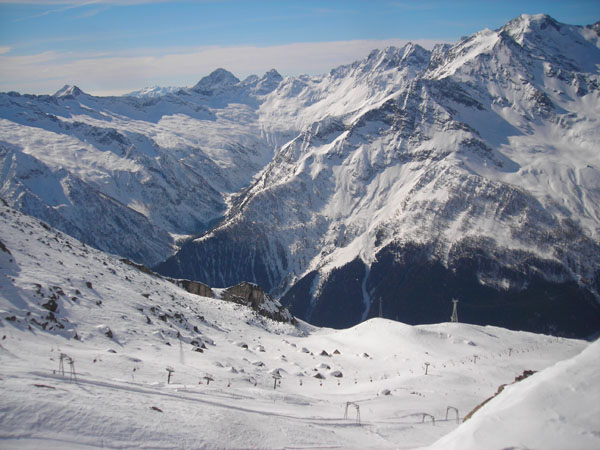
249, 294
525, 374
195, 287
245, 293
3, 248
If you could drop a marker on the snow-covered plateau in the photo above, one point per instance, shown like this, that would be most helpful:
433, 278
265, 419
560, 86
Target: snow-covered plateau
96, 352
385, 187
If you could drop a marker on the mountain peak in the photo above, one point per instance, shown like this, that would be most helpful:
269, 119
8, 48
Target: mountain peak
527, 24
272, 74
217, 82
415, 52
68, 91
569, 46
265, 84
541, 20
387, 53
391, 57
269, 82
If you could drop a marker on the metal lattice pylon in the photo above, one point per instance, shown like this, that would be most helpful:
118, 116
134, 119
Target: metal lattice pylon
454, 317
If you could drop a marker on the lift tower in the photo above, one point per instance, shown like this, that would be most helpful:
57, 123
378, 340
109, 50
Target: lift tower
454, 317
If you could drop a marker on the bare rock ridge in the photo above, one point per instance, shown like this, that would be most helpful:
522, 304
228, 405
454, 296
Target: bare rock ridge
246, 294
251, 295
524, 375
194, 287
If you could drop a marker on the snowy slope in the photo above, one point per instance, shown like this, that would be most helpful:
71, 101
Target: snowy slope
473, 165
345, 92
154, 91
555, 409
172, 155
84, 163
300, 108
121, 398
476, 168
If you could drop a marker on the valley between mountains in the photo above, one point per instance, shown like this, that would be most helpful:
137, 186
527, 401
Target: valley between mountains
385, 187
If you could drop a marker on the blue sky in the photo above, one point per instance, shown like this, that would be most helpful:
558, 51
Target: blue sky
119, 45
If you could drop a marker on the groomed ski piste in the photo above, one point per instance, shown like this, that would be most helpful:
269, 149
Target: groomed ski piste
90, 369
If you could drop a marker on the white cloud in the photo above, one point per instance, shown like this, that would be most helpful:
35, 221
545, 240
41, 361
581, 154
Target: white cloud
4, 50
47, 72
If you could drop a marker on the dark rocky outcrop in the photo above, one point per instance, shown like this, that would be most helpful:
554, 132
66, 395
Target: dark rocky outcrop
194, 287
525, 374
140, 267
251, 295
4, 249
247, 294
51, 305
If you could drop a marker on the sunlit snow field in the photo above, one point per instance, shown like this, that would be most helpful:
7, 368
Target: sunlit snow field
118, 395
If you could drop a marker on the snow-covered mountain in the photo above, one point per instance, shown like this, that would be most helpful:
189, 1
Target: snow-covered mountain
97, 352
154, 91
385, 187
131, 175
471, 171
157, 165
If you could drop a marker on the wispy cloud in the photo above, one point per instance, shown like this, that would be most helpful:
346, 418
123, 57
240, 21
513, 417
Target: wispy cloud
62, 9
91, 12
101, 5
4, 50
46, 72
73, 4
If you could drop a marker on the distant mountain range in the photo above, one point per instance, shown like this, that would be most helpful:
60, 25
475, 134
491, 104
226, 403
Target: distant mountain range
388, 186
131, 175
153, 91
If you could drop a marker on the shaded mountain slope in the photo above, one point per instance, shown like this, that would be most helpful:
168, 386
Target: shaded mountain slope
479, 171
